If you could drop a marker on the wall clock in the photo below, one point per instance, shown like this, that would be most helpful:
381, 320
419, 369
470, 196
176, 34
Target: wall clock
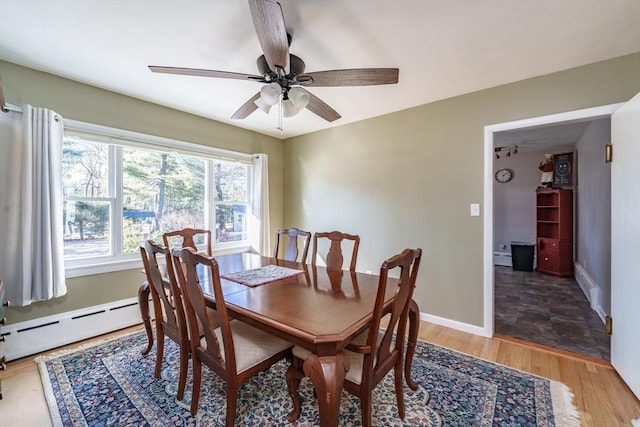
504, 175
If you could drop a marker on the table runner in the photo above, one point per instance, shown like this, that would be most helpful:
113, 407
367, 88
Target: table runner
262, 275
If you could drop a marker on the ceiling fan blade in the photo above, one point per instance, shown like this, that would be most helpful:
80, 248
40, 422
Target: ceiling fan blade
354, 77
247, 108
205, 73
272, 33
320, 108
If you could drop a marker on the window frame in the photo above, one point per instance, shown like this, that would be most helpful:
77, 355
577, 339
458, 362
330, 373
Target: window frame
117, 139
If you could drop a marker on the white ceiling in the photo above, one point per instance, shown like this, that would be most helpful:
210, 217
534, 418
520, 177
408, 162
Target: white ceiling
548, 139
442, 48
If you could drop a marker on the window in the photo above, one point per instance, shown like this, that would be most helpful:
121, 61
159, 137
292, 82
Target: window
161, 192
87, 202
230, 201
119, 193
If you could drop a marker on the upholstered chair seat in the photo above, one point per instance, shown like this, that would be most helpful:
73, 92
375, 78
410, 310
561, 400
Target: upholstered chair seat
252, 345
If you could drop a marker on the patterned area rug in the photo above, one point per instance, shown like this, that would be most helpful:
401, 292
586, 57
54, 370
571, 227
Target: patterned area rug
111, 383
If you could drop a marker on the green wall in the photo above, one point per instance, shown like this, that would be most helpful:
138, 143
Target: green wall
86, 103
406, 179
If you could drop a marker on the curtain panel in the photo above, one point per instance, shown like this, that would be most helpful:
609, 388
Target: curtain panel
31, 205
260, 226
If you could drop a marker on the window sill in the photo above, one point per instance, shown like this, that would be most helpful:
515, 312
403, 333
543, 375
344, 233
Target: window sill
130, 264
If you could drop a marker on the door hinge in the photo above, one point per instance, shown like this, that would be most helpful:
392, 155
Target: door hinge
608, 153
608, 325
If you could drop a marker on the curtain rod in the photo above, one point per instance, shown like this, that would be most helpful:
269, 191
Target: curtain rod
8, 107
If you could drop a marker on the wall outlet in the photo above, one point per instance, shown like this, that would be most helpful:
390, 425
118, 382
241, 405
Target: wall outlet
475, 209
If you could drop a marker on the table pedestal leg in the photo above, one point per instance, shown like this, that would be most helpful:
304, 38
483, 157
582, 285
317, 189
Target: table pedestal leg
143, 303
414, 325
327, 375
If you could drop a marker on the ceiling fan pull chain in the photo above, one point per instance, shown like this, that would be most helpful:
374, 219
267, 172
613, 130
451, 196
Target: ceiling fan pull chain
280, 114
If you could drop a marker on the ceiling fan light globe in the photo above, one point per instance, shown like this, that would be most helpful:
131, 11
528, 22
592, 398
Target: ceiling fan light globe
262, 105
270, 93
289, 108
300, 97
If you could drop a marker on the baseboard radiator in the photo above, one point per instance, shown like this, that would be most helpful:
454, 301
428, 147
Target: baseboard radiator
502, 258
590, 289
33, 336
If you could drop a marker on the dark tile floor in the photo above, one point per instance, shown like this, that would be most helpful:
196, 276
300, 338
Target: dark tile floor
548, 310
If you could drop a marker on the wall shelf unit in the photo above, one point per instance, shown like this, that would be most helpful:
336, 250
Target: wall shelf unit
554, 231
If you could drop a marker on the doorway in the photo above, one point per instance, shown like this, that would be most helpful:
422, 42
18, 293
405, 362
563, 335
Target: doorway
491, 135
541, 308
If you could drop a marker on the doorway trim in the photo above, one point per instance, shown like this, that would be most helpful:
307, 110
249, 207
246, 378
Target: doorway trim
552, 119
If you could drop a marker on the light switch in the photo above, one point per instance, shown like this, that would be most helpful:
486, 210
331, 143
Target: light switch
475, 209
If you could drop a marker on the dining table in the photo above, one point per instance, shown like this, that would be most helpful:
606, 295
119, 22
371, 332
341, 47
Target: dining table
310, 306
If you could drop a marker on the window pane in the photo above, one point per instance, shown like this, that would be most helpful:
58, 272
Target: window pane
161, 192
86, 229
231, 182
85, 168
231, 222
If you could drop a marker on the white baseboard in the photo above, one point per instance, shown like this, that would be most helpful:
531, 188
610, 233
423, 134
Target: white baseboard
33, 336
454, 324
601, 314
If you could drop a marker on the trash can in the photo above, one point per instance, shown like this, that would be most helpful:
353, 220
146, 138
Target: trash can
522, 256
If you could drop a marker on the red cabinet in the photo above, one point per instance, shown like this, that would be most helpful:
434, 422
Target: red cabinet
554, 231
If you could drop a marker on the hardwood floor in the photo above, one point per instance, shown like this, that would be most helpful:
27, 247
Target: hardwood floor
548, 310
600, 395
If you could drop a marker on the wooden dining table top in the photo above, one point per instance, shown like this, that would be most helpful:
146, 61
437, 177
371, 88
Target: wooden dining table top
314, 309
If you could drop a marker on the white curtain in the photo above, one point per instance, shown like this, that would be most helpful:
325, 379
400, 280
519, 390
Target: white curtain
31, 239
259, 228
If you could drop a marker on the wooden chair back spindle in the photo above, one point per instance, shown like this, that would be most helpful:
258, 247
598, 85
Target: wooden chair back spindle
291, 249
335, 258
188, 238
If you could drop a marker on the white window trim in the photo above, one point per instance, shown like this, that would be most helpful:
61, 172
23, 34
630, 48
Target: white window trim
141, 140
134, 263
91, 266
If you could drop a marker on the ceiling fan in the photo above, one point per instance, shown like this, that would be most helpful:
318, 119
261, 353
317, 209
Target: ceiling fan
283, 73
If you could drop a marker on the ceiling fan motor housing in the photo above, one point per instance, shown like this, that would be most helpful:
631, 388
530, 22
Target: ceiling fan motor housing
296, 66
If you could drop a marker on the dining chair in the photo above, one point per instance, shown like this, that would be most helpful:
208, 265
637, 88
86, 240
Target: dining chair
169, 309
335, 258
291, 248
373, 352
235, 351
189, 237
